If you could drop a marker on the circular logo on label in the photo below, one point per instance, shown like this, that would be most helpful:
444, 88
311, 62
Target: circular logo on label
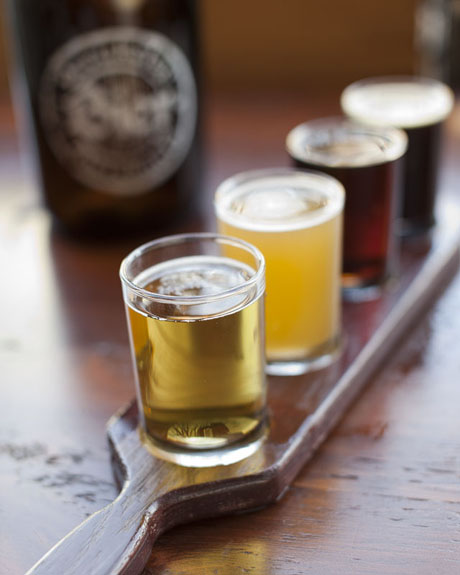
118, 108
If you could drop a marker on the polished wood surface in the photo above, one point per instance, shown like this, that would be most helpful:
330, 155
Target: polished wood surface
156, 496
381, 495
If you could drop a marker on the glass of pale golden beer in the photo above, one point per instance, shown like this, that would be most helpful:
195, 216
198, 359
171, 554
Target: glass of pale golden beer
195, 311
295, 218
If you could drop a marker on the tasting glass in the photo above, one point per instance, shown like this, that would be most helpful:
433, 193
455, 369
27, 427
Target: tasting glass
419, 106
366, 160
295, 219
195, 311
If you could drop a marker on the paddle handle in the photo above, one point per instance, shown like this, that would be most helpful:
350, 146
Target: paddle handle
116, 540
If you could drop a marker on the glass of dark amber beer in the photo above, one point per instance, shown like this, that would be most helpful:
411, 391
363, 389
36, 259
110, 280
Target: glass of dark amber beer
195, 313
419, 106
366, 161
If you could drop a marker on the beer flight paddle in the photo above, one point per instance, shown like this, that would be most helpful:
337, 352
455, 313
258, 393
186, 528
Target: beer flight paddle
156, 495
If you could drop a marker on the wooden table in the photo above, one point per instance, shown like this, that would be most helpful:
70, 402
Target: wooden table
382, 494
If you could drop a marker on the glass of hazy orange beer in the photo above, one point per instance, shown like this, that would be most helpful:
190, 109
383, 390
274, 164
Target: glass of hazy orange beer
195, 312
295, 218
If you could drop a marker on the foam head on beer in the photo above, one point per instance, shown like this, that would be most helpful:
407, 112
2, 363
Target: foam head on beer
277, 202
337, 142
403, 102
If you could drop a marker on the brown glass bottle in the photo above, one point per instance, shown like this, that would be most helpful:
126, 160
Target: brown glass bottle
113, 96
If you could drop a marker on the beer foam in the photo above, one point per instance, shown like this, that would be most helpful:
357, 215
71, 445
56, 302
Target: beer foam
403, 103
336, 142
277, 200
274, 204
196, 278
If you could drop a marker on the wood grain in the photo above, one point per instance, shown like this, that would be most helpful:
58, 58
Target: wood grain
380, 495
156, 495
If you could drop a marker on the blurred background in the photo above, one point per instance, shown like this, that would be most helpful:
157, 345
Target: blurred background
63, 339
316, 46
304, 51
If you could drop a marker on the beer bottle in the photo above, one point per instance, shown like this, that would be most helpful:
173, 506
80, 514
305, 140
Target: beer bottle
113, 94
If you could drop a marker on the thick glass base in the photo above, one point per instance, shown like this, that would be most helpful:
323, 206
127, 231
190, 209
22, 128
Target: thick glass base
206, 457
415, 227
362, 293
319, 358
367, 291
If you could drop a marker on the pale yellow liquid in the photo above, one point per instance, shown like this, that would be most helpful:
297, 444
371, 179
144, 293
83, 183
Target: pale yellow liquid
302, 285
200, 378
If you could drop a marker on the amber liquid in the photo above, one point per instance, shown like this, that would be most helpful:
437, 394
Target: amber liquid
200, 377
370, 210
372, 201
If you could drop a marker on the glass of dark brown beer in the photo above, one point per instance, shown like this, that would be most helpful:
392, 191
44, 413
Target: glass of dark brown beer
195, 312
419, 106
366, 161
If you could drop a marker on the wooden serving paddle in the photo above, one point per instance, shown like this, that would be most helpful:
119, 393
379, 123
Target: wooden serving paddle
156, 495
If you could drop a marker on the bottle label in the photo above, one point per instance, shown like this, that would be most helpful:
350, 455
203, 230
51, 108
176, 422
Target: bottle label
118, 107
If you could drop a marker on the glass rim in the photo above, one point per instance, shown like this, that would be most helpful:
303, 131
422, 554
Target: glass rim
297, 136
399, 78
395, 79
177, 239
326, 184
